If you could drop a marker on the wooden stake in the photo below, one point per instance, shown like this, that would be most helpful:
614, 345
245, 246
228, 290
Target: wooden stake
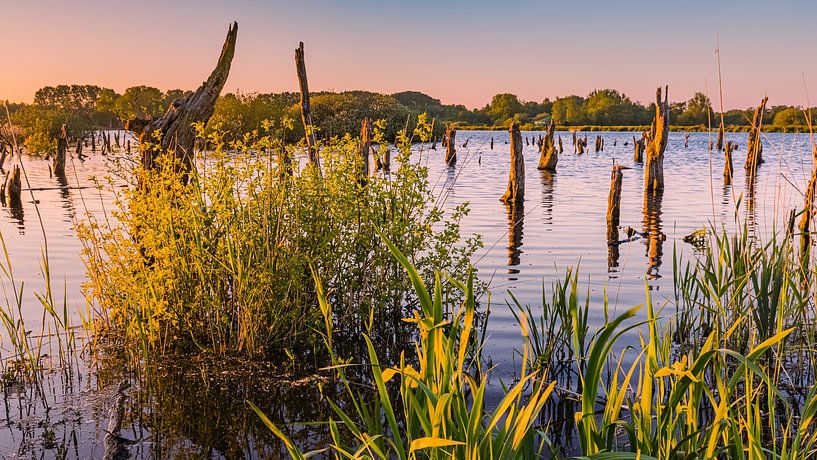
58, 163
727, 162
515, 194
656, 144
614, 198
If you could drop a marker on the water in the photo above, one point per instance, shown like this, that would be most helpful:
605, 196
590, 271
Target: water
563, 225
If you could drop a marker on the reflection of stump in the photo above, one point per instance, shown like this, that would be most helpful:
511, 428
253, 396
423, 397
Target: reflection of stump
727, 162
450, 145
754, 149
652, 229
656, 144
549, 157
516, 219
751, 187
548, 187
515, 194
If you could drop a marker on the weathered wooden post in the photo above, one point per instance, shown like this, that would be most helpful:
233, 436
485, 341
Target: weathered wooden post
306, 113
450, 145
492, 143
656, 144
720, 136
58, 163
613, 215
176, 125
754, 149
638, 146
614, 197
365, 147
561, 148
580, 145
527, 140
727, 162
549, 157
515, 194
686, 140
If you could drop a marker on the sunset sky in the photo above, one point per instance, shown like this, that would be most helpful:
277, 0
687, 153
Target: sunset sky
457, 51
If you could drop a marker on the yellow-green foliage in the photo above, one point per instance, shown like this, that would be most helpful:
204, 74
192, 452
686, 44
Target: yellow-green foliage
222, 262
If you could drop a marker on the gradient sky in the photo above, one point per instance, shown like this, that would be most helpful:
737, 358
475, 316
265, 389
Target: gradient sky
458, 51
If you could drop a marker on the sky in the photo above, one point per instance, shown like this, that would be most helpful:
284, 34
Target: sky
461, 52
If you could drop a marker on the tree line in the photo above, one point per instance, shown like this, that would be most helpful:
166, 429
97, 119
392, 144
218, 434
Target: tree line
87, 107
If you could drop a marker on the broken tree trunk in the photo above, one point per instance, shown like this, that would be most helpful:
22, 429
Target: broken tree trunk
516, 179
58, 163
177, 133
365, 147
656, 140
12, 188
549, 157
306, 113
727, 162
638, 149
614, 198
450, 145
754, 149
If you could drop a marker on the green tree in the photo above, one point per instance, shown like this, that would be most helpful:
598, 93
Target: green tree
139, 102
504, 107
569, 111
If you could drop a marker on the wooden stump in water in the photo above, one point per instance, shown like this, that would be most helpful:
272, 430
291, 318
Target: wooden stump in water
727, 162
12, 188
549, 157
574, 141
808, 215
720, 136
492, 143
614, 198
561, 148
176, 125
581, 144
365, 148
306, 113
686, 140
754, 149
527, 140
656, 140
638, 149
58, 163
450, 145
515, 194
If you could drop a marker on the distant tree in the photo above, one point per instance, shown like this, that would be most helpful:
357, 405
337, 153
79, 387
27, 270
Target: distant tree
789, 117
697, 111
569, 111
504, 107
609, 107
81, 99
139, 102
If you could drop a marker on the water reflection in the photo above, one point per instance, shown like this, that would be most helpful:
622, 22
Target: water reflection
652, 231
613, 243
548, 187
65, 196
751, 214
516, 219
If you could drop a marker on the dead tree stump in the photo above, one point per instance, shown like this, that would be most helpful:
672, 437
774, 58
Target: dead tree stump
656, 140
58, 163
515, 194
178, 134
638, 149
12, 188
727, 162
754, 149
306, 113
561, 148
549, 157
719, 145
614, 198
450, 146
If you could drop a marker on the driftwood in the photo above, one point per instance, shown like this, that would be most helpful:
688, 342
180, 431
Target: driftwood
515, 194
450, 145
656, 143
549, 156
754, 149
176, 125
306, 113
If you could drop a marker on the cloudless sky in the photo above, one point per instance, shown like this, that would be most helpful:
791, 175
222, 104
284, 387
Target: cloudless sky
458, 51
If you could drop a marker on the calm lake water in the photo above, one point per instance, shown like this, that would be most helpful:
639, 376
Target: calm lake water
563, 225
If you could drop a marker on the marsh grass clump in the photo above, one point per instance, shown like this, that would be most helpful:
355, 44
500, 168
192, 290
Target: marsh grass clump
222, 263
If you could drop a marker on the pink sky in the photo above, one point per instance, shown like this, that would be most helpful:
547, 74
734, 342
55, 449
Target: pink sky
461, 52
